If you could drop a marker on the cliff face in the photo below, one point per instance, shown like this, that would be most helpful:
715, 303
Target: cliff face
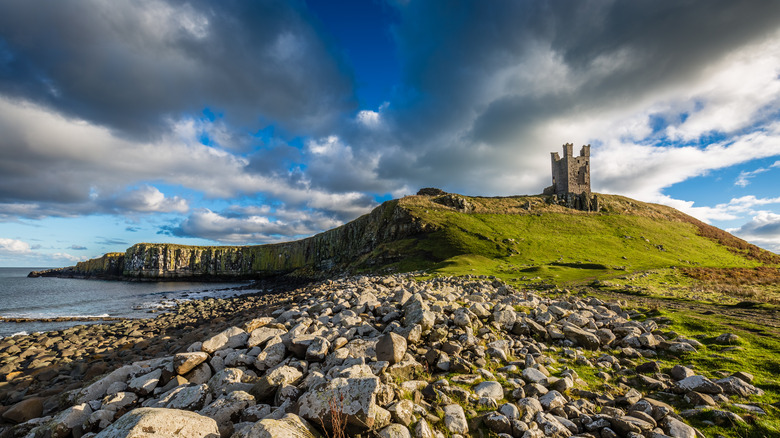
333, 250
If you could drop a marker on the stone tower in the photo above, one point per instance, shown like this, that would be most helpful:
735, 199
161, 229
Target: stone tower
570, 174
571, 179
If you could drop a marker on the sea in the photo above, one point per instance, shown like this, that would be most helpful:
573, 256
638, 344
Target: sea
48, 297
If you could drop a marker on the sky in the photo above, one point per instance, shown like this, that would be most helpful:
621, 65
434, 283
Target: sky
250, 122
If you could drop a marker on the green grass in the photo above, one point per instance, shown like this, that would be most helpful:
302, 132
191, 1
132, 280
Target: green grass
557, 245
758, 354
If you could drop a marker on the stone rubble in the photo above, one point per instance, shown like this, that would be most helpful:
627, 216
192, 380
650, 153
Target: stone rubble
393, 357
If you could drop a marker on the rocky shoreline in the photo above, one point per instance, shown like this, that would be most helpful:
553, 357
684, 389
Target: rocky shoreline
370, 356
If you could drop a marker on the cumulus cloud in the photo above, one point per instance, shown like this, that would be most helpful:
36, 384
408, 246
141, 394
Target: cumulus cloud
245, 225
19, 253
14, 247
250, 101
148, 199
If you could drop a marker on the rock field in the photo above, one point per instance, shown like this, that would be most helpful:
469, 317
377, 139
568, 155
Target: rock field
366, 356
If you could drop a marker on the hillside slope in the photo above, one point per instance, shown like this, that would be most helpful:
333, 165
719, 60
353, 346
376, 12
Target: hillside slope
525, 238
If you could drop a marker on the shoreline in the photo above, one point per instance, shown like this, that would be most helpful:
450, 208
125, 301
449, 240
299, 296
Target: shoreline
48, 364
16, 323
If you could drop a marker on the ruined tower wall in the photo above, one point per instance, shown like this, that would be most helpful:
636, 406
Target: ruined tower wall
571, 174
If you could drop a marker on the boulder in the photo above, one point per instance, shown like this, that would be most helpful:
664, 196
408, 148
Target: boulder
679, 372
354, 398
183, 363
145, 383
267, 385
395, 430
289, 426
581, 337
416, 311
317, 349
272, 354
192, 397
24, 410
98, 389
391, 347
233, 337
497, 422
677, 429
733, 385
260, 336
490, 389
455, 419
161, 423
699, 384
66, 422
227, 409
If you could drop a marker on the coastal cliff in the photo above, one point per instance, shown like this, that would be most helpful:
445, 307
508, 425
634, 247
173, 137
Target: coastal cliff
347, 246
533, 237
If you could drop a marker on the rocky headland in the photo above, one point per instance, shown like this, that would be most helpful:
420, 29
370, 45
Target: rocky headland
385, 356
320, 256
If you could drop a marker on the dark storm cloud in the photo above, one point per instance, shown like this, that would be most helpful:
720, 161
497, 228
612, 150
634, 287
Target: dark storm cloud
485, 78
132, 65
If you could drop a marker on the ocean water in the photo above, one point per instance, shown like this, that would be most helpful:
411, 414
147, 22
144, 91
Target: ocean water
22, 297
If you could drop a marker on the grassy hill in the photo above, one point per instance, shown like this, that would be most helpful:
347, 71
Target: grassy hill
526, 239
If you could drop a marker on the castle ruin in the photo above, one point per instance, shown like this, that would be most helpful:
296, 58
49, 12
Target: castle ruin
571, 179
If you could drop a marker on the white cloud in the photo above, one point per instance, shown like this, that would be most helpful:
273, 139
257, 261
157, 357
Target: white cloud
148, 199
244, 225
14, 247
743, 180
68, 257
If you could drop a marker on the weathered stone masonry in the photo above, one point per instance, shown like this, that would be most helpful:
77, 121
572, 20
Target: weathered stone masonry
571, 179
